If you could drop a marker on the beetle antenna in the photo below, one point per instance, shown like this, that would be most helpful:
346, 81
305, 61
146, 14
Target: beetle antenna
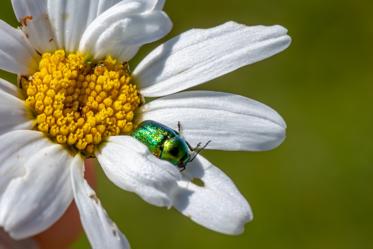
198, 150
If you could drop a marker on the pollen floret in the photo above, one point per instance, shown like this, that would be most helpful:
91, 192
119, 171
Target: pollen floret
79, 103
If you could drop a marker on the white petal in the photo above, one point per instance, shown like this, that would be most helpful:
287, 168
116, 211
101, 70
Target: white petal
69, 20
231, 122
9, 88
6, 242
217, 205
131, 166
198, 56
13, 112
101, 231
39, 196
124, 28
33, 16
103, 5
15, 152
160, 4
16, 54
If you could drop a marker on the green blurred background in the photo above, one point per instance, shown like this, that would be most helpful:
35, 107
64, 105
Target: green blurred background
315, 190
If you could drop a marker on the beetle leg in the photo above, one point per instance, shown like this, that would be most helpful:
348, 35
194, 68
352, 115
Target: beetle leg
179, 128
198, 150
181, 168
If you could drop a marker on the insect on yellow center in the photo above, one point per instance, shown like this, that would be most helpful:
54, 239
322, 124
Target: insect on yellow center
78, 103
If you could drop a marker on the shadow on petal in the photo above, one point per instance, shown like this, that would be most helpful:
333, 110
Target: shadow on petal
216, 204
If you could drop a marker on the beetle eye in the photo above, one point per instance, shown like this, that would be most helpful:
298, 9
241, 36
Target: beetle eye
174, 151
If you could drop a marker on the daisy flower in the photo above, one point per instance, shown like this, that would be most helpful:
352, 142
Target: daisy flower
77, 98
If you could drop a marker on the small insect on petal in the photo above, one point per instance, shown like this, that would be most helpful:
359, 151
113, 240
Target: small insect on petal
166, 143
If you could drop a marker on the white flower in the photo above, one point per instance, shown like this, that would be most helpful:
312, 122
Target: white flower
78, 99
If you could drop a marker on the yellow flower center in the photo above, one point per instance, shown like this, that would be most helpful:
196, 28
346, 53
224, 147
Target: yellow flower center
79, 103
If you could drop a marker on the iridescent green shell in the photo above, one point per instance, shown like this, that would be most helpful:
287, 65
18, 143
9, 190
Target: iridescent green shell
164, 142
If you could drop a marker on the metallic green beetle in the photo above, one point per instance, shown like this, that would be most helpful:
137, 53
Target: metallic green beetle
166, 143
